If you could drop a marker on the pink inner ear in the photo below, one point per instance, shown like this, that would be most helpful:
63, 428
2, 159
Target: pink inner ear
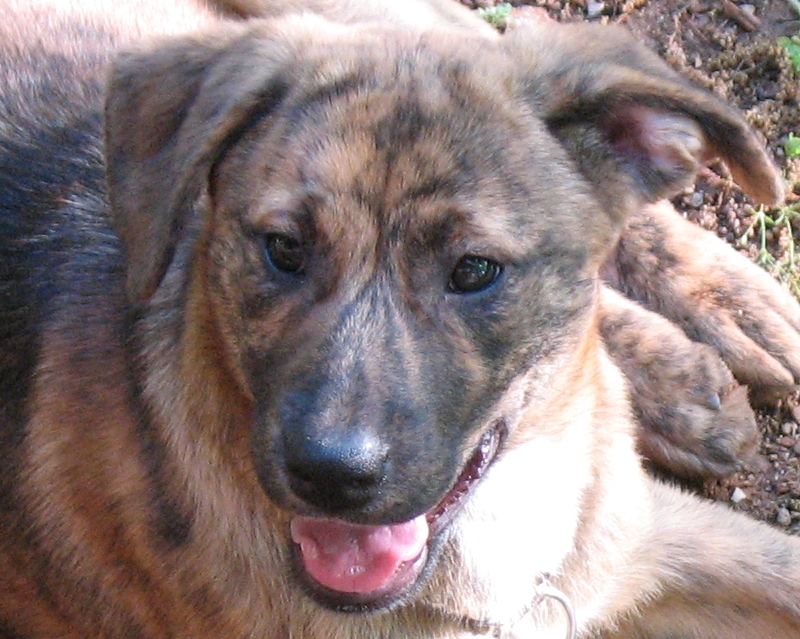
667, 144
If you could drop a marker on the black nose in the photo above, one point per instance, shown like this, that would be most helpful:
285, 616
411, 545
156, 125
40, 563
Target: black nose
338, 474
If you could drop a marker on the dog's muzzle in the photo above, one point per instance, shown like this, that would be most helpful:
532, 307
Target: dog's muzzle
356, 567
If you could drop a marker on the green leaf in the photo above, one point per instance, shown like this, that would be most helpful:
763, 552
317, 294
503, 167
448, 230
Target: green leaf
792, 46
497, 16
792, 146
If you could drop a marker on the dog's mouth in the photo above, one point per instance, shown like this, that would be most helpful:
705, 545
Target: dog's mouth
356, 567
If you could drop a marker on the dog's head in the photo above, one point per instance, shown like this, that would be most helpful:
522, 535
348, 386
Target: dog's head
396, 236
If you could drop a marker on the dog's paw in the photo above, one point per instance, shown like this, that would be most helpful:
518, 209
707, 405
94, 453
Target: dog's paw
716, 295
694, 419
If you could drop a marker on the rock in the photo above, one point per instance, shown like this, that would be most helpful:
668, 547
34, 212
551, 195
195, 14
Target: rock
768, 91
595, 9
788, 428
784, 517
787, 442
738, 495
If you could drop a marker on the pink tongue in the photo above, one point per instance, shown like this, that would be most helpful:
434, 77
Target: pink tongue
350, 558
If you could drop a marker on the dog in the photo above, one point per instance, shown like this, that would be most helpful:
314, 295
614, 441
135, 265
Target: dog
305, 331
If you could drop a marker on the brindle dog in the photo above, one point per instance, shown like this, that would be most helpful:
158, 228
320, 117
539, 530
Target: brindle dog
303, 332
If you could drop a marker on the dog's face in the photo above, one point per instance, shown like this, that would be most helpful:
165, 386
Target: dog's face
384, 266
397, 242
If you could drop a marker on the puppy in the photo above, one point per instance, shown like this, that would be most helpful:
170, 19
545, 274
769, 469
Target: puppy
731, 328
302, 333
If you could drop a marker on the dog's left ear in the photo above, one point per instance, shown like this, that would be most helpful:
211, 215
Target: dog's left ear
637, 130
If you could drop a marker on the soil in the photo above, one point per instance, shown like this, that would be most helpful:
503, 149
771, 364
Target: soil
732, 49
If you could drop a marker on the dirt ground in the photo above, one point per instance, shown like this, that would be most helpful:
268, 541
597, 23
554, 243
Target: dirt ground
733, 49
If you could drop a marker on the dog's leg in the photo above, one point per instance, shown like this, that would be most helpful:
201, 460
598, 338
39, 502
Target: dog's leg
714, 294
693, 418
713, 574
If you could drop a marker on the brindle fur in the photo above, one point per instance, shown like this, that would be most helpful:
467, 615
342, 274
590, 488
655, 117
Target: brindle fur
155, 373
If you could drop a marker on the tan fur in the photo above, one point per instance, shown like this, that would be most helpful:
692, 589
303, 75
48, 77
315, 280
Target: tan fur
137, 508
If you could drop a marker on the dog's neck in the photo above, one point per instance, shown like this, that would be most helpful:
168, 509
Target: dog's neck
504, 629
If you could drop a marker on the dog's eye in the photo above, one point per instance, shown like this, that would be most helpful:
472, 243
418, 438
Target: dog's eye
473, 274
284, 253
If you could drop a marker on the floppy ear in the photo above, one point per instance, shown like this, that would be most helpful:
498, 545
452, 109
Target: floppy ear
637, 130
170, 111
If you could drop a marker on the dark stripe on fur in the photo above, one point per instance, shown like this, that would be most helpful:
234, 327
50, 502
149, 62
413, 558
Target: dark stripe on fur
58, 259
8, 633
40, 171
173, 519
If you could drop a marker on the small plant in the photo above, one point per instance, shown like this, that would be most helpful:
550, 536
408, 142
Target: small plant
792, 46
785, 269
792, 146
497, 16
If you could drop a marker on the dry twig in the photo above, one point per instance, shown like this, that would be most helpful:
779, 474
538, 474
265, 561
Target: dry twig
746, 20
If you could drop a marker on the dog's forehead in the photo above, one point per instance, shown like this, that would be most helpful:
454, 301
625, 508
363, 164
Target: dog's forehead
402, 132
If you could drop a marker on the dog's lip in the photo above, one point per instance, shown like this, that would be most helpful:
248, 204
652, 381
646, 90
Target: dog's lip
480, 460
408, 575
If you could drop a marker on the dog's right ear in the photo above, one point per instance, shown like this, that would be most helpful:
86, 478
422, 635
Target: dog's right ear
171, 110
637, 130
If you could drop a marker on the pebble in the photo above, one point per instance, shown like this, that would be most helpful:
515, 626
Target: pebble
787, 442
738, 495
768, 91
788, 428
784, 517
748, 8
696, 200
595, 9
796, 448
